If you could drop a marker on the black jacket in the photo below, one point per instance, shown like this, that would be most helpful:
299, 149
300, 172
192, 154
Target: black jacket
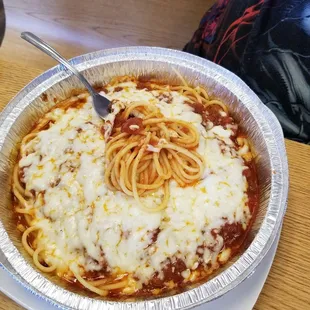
267, 44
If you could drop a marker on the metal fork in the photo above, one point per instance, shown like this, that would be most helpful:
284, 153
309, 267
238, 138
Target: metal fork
100, 103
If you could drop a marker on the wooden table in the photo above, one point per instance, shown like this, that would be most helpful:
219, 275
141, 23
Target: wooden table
75, 27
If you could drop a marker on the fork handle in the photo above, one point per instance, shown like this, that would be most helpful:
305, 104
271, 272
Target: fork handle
47, 49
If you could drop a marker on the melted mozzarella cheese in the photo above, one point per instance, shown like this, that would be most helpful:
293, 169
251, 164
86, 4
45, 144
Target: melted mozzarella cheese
84, 223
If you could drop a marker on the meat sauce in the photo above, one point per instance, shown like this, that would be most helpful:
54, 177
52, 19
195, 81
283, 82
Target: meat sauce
148, 82
171, 272
133, 126
44, 97
211, 114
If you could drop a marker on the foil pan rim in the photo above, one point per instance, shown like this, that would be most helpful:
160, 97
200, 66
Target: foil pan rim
215, 287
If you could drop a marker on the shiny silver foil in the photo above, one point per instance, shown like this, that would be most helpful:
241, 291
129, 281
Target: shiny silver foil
257, 121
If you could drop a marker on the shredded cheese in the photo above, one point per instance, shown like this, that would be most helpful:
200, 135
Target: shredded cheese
83, 223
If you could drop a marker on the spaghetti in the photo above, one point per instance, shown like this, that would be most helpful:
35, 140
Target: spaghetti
76, 189
144, 153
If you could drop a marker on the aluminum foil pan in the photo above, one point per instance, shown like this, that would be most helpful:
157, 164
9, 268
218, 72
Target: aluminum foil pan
257, 121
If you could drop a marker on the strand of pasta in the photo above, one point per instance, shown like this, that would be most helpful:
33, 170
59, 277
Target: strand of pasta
117, 283
25, 236
89, 286
16, 181
36, 261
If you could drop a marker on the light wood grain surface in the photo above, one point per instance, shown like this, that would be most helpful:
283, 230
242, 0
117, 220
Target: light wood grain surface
77, 27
